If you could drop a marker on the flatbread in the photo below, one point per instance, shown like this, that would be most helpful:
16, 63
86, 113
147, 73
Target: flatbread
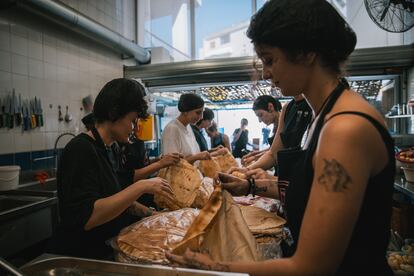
261, 221
209, 168
203, 193
147, 240
185, 180
226, 162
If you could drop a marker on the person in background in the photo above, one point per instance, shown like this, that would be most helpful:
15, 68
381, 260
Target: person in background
240, 139
267, 110
218, 139
294, 120
265, 135
178, 136
204, 123
93, 207
338, 199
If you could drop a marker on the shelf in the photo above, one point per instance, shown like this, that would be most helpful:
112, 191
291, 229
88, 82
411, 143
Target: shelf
399, 116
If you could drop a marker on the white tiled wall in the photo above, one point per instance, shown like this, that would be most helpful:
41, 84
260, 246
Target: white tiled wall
38, 58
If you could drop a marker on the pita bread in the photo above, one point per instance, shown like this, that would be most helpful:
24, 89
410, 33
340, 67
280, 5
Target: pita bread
209, 168
185, 180
226, 161
203, 193
261, 221
239, 175
148, 240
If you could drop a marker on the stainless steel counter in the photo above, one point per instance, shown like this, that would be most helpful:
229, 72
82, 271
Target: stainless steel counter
60, 265
405, 187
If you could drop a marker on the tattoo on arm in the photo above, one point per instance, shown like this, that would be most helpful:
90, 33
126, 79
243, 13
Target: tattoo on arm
334, 176
260, 189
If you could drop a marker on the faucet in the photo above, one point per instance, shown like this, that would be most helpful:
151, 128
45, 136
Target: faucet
55, 152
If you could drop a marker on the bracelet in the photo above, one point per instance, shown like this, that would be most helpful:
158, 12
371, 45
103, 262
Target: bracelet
253, 187
250, 187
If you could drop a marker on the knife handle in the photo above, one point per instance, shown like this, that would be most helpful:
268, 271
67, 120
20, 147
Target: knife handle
41, 120
11, 121
33, 121
1, 120
25, 124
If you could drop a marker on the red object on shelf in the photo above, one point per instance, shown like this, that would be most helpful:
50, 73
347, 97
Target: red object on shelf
41, 177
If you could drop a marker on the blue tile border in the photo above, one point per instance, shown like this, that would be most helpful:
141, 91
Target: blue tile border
26, 160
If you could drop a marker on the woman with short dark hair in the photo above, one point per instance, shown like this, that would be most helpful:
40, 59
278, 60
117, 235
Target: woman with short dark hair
178, 135
336, 189
92, 205
204, 123
267, 110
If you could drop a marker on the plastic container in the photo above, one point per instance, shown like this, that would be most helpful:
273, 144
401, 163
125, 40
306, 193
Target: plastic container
9, 177
145, 129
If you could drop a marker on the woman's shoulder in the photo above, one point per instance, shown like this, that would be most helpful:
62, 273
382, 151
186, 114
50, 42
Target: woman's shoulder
79, 144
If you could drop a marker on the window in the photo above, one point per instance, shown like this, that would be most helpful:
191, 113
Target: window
225, 39
165, 27
222, 20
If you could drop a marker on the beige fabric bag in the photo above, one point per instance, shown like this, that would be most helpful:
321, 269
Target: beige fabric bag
221, 231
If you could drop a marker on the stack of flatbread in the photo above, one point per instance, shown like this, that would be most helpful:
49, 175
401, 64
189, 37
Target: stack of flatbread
220, 163
203, 193
147, 240
266, 227
185, 181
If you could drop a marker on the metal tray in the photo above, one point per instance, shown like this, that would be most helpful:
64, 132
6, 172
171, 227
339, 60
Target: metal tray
76, 266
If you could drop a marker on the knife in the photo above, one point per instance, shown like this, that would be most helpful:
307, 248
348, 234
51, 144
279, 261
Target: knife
1, 113
32, 115
25, 116
18, 110
11, 111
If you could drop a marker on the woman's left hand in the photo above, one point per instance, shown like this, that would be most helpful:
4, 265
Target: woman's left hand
196, 260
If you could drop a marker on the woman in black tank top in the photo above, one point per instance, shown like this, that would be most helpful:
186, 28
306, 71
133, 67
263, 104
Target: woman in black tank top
337, 188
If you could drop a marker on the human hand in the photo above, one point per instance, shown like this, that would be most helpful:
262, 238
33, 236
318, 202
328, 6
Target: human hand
204, 155
236, 186
196, 260
158, 185
170, 159
259, 174
237, 169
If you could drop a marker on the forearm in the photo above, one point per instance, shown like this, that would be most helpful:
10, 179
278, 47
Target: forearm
284, 266
145, 172
192, 158
139, 210
266, 188
265, 162
106, 209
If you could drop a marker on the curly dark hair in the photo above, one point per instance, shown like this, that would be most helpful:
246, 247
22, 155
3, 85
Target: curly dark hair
263, 101
299, 27
118, 98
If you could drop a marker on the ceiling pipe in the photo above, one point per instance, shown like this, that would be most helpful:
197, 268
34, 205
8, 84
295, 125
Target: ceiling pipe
77, 22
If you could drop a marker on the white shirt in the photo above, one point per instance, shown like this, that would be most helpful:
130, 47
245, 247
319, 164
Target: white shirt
178, 138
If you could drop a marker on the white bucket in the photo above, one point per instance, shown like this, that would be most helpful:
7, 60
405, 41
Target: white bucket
9, 177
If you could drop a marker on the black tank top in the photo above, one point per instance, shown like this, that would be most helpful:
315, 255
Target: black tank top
298, 114
367, 247
217, 141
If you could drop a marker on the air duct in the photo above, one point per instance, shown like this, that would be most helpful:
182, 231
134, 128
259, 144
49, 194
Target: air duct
77, 22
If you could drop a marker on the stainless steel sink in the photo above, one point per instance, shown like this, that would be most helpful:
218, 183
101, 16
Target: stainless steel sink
49, 188
9, 203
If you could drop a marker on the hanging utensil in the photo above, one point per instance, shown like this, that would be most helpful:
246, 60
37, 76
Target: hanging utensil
60, 118
41, 123
68, 117
26, 120
11, 113
1, 113
32, 115
18, 110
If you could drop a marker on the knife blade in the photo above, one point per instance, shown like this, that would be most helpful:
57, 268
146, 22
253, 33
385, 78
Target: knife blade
18, 110
11, 113
40, 113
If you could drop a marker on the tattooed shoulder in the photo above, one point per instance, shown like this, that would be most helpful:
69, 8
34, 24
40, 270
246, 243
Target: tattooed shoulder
334, 176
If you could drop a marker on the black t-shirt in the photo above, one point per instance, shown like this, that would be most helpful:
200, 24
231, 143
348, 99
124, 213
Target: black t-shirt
241, 143
84, 176
201, 141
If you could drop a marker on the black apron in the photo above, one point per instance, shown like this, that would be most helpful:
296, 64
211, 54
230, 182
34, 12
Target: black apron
294, 173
